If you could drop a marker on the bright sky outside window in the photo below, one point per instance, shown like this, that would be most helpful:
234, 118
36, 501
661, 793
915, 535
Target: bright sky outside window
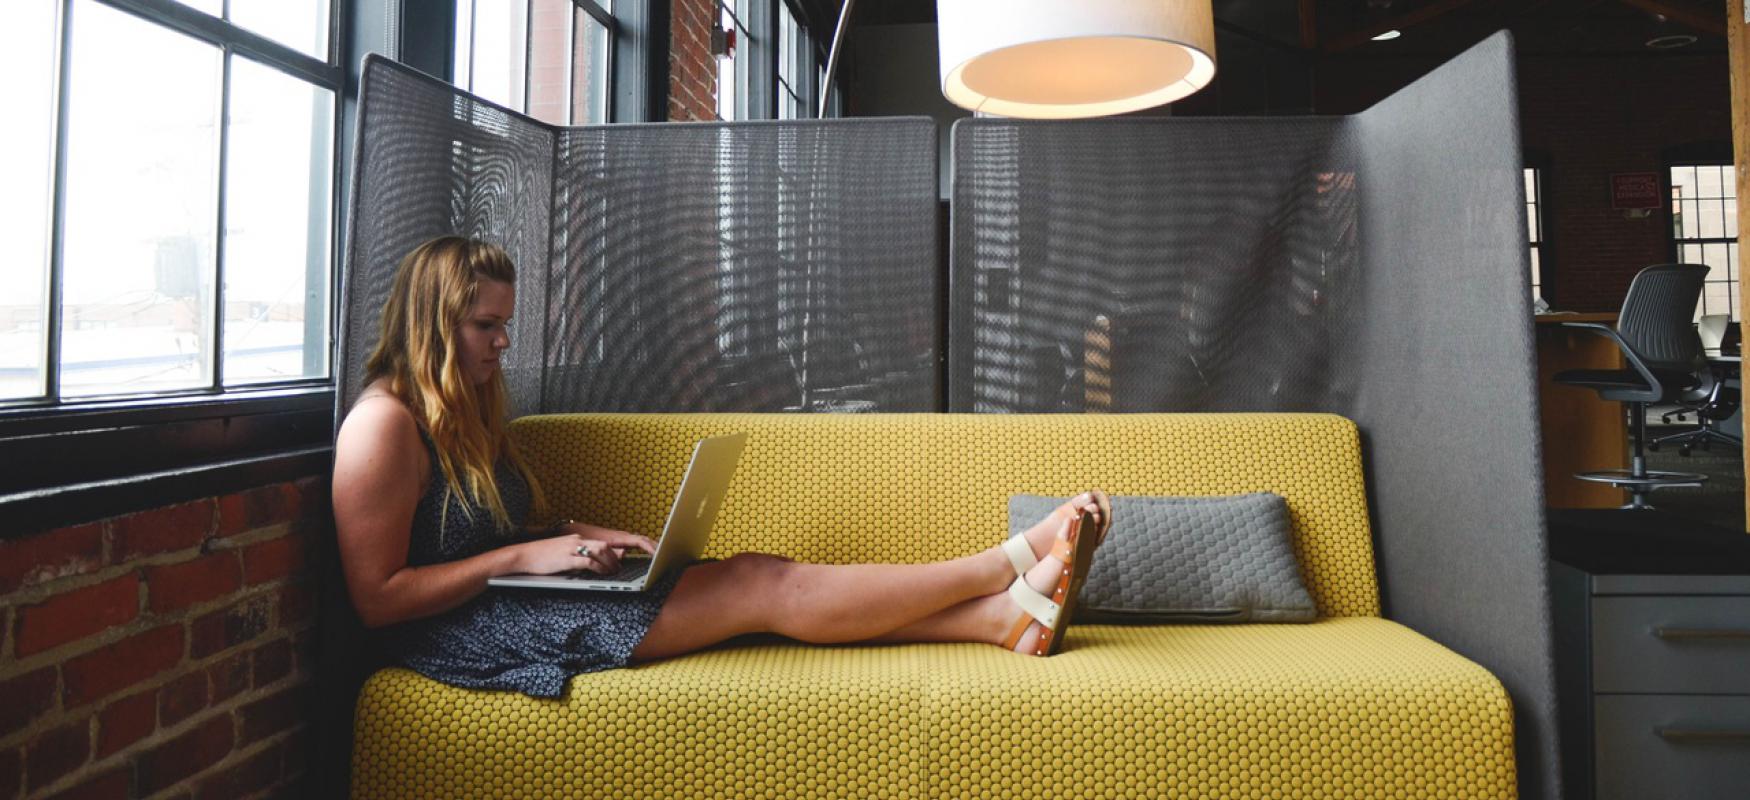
142, 206
27, 57
193, 258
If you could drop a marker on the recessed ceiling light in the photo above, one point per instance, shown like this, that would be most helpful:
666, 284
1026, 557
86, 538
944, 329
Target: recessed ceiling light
1671, 42
1387, 36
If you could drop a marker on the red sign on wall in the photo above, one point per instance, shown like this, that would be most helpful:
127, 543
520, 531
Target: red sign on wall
1634, 190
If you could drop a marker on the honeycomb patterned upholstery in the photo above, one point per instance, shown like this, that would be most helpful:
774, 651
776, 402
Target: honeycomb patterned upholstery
1349, 706
902, 488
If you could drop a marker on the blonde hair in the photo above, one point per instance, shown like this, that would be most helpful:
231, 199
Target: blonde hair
416, 357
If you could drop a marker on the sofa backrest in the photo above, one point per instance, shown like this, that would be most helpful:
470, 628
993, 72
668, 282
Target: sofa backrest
904, 488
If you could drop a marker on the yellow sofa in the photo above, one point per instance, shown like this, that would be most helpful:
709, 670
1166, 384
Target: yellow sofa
1350, 706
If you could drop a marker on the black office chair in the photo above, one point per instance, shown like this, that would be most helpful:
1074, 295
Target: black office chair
1656, 335
1714, 401
1717, 401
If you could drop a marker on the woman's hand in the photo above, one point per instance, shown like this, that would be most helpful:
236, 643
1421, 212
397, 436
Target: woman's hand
582, 547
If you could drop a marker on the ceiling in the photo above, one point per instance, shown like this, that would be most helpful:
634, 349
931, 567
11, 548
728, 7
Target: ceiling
1435, 27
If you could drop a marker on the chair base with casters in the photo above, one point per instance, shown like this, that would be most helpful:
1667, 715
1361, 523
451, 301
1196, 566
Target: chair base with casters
1637, 480
1703, 437
1709, 409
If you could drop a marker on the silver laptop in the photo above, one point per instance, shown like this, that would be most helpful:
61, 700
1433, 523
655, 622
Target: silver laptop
683, 536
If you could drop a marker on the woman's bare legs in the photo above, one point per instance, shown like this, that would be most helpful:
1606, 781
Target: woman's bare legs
820, 603
958, 600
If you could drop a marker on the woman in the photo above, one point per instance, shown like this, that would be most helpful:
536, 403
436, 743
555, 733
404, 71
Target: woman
431, 498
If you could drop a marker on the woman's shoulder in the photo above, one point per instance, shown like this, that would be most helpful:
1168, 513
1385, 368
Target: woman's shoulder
377, 419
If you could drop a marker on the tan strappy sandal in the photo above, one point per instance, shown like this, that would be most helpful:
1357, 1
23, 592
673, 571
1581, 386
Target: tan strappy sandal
1020, 551
1053, 612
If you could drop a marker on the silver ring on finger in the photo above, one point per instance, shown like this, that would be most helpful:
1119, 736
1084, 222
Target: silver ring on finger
583, 552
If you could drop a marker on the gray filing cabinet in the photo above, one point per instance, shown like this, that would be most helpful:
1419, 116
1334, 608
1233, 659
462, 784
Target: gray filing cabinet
1652, 618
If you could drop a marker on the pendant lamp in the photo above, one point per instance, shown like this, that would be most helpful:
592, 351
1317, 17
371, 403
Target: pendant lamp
1059, 59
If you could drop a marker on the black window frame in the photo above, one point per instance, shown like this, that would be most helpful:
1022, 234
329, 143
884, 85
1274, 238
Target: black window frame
78, 462
807, 93
752, 35
1700, 154
593, 8
86, 458
1547, 285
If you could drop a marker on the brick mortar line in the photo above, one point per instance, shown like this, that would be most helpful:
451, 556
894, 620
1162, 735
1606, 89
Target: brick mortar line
148, 620
252, 536
93, 710
125, 757
277, 788
91, 769
238, 756
38, 592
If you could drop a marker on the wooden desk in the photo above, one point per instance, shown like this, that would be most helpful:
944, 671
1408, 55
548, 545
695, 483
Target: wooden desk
1581, 432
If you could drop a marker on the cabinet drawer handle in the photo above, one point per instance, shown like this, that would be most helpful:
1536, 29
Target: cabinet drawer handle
1700, 633
1701, 735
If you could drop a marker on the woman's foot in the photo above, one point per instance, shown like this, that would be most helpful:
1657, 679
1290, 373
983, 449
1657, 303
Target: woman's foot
1046, 531
1051, 578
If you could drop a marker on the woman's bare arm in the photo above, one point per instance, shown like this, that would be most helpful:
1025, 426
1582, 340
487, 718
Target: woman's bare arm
380, 469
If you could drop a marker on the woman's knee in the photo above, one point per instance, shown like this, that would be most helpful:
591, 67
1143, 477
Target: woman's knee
748, 585
766, 580
756, 570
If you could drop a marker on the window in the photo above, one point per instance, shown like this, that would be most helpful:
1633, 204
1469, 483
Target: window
1704, 230
767, 65
549, 59
796, 67
165, 322
174, 199
1534, 228
734, 60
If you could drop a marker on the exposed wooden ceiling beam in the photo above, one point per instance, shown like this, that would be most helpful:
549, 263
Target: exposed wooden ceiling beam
1401, 22
1309, 24
1715, 25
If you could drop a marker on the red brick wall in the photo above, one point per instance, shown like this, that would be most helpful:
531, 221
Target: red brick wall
161, 654
1595, 117
1591, 117
692, 70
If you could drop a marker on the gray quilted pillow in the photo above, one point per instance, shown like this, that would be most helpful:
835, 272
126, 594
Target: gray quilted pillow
1188, 559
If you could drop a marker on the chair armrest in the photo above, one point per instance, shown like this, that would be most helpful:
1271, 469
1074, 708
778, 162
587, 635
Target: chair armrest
1627, 352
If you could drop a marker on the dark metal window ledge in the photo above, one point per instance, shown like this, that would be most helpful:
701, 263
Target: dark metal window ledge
69, 466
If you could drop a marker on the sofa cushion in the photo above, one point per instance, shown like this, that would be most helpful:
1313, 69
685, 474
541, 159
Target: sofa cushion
1223, 559
909, 488
1354, 707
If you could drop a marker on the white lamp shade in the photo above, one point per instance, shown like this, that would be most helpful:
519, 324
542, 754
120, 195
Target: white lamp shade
1056, 59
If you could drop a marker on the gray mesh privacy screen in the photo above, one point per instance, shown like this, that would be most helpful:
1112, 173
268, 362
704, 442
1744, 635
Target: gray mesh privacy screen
1372, 266
764, 266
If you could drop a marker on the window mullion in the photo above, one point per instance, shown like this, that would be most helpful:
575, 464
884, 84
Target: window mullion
601, 15
221, 33
569, 82
473, 48
58, 212
219, 234
528, 57
328, 272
